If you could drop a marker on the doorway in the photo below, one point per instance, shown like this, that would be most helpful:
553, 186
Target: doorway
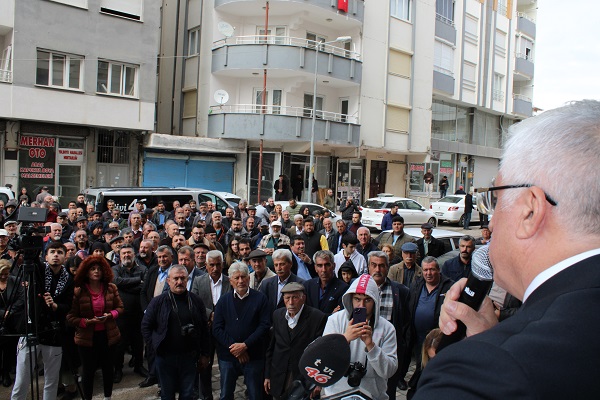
378, 178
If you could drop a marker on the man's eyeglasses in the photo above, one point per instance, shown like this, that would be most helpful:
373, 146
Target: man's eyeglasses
487, 198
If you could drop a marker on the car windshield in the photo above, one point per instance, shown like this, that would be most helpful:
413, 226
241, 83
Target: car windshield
450, 199
375, 204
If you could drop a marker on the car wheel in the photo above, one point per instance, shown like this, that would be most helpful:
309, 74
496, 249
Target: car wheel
432, 222
461, 221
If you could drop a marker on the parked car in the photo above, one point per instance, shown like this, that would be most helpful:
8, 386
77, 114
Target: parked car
311, 207
413, 213
449, 238
452, 209
231, 198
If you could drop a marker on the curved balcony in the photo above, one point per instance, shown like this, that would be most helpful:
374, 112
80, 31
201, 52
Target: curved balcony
287, 57
281, 123
316, 10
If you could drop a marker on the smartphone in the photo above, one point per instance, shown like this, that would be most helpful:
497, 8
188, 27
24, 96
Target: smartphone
359, 315
102, 317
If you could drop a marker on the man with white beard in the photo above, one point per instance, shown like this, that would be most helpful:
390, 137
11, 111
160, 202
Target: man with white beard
271, 242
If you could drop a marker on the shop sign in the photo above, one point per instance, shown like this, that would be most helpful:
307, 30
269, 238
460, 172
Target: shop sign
37, 155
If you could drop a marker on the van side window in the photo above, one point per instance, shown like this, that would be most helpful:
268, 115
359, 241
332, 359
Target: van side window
169, 199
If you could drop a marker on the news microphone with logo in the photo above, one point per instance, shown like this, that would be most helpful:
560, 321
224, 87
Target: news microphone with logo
323, 363
479, 283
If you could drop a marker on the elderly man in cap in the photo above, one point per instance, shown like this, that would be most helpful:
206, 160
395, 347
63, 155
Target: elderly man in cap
115, 244
407, 272
294, 328
428, 245
486, 235
4, 245
397, 237
257, 259
263, 231
12, 227
63, 219
273, 241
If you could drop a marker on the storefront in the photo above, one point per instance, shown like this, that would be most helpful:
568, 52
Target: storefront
350, 179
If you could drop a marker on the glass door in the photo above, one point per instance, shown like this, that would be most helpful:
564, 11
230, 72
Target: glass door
69, 183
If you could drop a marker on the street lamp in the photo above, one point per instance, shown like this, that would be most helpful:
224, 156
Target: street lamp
311, 173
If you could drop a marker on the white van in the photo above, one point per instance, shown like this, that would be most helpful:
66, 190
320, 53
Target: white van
126, 197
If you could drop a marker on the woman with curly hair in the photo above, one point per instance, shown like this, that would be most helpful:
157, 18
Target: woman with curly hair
96, 305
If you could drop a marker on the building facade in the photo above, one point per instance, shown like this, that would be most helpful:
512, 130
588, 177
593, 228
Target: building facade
77, 91
415, 85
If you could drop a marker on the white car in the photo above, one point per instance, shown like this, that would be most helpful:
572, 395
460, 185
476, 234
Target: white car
452, 209
413, 213
231, 198
260, 210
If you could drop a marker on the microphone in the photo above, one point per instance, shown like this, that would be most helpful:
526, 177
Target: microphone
479, 283
325, 361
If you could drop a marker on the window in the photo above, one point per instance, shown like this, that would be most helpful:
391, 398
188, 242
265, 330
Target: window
276, 33
59, 70
443, 58
397, 119
401, 9
6, 65
313, 37
113, 147
469, 76
445, 11
399, 63
502, 8
122, 8
273, 101
189, 104
117, 79
498, 88
193, 42
308, 105
471, 29
500, 46
74, 3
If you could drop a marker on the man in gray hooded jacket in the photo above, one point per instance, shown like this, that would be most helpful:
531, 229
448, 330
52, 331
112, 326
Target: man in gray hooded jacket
372, 343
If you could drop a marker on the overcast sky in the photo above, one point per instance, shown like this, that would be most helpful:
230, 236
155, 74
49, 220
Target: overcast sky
567, 55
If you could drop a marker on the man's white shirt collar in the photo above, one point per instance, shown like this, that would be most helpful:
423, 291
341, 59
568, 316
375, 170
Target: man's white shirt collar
293, 321
555, 269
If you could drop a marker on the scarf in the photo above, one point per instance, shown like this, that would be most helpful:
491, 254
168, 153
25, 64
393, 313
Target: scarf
60, 285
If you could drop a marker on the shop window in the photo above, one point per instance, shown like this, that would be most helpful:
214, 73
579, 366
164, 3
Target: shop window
113, 147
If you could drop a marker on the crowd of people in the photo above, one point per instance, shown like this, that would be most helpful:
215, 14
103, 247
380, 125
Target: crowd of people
175, 287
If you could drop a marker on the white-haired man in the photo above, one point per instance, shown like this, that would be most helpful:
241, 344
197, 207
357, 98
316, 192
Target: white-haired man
547, 186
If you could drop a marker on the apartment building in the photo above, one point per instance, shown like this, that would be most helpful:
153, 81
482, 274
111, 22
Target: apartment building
402, 86
218, 57
77, 91
459, 73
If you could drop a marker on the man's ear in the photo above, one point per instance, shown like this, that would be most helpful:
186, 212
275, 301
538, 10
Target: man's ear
532, 212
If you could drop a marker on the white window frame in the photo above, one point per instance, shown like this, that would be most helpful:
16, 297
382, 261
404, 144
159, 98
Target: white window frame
276, 34
193, 42
401, 9
52, 55
317, 38
498, 87
443, 58
123, 77
128, 9
270, 107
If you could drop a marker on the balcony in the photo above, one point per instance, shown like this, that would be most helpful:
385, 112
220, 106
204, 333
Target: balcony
281, 123
443, 80
522, 105
526, 25
287, 57
315, 10
523, 67
444, 29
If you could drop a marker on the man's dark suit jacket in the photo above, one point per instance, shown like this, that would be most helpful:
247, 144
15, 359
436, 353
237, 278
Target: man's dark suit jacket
334, 240
269, 289
435, 249
287, 345
202, 288
147, 292
331, 298
546, 350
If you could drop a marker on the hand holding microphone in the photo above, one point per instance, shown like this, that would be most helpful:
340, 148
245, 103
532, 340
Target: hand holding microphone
467, 310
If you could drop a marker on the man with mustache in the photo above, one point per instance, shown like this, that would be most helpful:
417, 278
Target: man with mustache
460, 266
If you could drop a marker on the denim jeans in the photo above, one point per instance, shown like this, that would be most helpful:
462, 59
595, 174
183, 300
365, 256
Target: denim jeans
253, 377
467, 220
177, 373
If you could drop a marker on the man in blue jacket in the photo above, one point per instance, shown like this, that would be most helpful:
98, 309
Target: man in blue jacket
242, 320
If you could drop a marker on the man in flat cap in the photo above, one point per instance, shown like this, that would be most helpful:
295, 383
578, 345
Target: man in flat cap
408, 271
294, 328
257, 259
428, 245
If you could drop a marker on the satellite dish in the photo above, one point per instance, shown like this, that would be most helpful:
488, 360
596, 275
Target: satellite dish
226, 29
221, 96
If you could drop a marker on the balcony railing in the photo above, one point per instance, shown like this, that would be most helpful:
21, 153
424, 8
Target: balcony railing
498, 95
524, 56
443, 19
443, 70
523, 15
517, 96
5, 75
287, 41
283, 110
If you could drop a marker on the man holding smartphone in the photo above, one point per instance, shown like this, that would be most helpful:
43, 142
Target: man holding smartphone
372, 340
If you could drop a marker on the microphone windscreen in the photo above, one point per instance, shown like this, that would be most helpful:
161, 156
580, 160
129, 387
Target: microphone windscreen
326, 360
481, 266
